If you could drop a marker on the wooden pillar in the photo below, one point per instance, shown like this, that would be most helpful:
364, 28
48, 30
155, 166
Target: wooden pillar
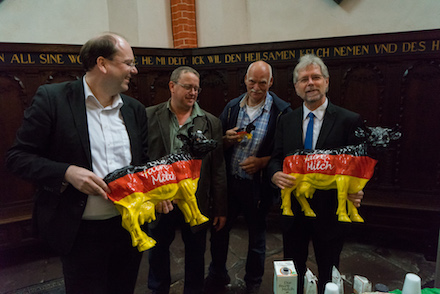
183, 18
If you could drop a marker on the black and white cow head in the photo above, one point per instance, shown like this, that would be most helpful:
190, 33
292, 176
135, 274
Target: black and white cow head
197, 144
378, 136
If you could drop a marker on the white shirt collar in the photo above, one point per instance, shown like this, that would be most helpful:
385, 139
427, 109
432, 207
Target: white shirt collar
318, 112
88, 94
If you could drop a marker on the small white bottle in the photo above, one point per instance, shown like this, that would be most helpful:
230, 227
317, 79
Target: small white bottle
331, 288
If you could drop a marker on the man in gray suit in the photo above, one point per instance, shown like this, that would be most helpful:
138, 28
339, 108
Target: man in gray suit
178, 115
73, 135
332, 127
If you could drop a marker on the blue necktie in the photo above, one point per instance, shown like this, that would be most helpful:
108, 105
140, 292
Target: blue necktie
308, 142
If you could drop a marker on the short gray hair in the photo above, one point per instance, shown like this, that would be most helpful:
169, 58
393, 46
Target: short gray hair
175, 75
307, 60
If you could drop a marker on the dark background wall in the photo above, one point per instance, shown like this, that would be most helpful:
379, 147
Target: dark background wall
389, 79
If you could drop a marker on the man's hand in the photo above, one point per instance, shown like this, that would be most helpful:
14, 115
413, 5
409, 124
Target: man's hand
283, 180
219, 222
356, 198
253, 164
86, 181
164, 206
230, 138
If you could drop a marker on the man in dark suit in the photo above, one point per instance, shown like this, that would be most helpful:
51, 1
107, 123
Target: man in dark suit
72, 135
179, 115
332, 127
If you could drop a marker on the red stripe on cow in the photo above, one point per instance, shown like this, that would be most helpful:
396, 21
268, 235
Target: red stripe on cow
342, 164
153, 178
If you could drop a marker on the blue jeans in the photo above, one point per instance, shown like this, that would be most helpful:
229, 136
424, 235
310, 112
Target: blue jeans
242, 200
164, 231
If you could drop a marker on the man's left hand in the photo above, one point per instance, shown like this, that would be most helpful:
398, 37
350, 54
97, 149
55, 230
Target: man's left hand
219, 222
356, 198
253, 164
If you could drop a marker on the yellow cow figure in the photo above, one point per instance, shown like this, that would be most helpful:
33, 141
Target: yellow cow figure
346, 169
137, 189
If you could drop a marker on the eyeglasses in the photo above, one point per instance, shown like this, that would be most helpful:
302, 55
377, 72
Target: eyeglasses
128, 63
189, 87
315, 78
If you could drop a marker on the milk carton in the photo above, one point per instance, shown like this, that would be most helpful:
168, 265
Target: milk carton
285, 278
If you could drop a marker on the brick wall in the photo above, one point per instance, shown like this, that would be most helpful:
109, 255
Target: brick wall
183, 18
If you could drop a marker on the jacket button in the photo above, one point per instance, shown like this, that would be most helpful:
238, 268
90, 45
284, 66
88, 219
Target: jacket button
82, 203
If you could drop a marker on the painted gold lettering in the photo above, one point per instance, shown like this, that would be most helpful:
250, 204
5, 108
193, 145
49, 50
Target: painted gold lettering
51, 59
323, 52
271, 56
213, 59
2, 57
74, 58
147, 60
249, 57
435, 45
413, 46
14, 58
279, 55
340, 51
306, 51
197, 60
232, 58
161, 60
176, 60
22, 59
385, 48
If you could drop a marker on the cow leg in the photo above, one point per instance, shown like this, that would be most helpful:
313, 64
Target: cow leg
342, 184
184, 208
353, 213
305, 190
130, 221
188, 188
286, 203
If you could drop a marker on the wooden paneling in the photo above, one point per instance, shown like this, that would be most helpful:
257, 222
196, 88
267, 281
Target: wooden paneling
389, 79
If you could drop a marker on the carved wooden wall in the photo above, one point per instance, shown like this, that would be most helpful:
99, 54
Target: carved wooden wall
388, 78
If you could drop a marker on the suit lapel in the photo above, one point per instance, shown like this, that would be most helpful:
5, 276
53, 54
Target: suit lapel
75, 96
130, 124
327, 125
163, 116
297, 137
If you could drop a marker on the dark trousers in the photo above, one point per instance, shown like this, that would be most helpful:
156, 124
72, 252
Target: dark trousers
325, 232
164, 231
241, 199
102, 260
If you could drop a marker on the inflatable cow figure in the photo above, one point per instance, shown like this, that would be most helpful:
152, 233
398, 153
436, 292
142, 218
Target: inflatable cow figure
347, 169
137, 189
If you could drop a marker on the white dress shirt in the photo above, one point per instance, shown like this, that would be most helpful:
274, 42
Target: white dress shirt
110, 147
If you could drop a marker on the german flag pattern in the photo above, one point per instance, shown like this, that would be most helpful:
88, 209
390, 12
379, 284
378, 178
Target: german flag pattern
324, 171
137, 189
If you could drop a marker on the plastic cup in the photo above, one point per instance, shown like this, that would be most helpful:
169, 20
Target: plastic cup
331, 288
412, 284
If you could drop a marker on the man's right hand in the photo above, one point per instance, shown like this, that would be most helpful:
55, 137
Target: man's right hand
164, 206
231, 137
283, 180
86, 181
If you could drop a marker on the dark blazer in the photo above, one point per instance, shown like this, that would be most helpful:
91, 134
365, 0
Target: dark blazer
338, 129
211, 191
54, 135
